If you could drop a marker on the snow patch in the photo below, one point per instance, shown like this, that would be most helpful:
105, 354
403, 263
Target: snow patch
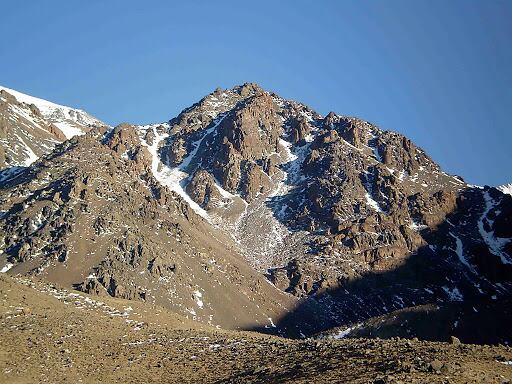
6, 267
198, 296
417, 227
453, 294
459, 250
370, 200
31, 156
372, 203
344, 333
494, 244
68, 130
171, 177
507, 188
56, 113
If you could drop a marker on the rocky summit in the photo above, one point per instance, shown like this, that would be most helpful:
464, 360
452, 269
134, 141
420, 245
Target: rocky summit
250, 212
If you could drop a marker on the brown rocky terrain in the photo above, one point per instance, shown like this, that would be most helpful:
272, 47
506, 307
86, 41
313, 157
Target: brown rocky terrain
108, 227
52, 335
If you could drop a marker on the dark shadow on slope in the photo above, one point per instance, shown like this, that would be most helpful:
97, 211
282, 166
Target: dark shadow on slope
8, 175
479, 322
474, 306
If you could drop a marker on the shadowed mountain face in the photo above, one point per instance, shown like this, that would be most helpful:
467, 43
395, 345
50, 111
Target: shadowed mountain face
441, 290
251, 211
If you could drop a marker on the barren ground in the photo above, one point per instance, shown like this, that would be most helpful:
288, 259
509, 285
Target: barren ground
73, 338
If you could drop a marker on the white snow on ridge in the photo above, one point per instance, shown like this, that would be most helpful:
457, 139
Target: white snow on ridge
61, 115
68, 130
507, 188
39, 103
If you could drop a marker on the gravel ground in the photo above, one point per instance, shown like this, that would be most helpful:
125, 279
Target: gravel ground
51, 335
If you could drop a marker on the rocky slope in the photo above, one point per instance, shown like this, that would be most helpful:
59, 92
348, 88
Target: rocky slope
348, 222
31, 127
108, 227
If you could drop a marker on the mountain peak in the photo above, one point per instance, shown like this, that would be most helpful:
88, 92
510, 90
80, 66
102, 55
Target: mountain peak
33, 126
70, 121
244, 188
43, 105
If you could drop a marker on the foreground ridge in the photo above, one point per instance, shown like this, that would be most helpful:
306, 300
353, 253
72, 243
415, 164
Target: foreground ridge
56, 332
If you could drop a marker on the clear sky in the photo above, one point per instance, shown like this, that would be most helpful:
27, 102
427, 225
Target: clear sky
439, 72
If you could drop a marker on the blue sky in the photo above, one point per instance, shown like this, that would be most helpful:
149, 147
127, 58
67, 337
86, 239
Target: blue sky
439, 72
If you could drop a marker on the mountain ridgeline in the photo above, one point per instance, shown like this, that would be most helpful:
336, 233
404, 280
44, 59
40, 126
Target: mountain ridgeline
249, 211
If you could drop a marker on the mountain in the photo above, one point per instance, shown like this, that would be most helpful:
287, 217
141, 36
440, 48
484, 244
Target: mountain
31, 127
249, 211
